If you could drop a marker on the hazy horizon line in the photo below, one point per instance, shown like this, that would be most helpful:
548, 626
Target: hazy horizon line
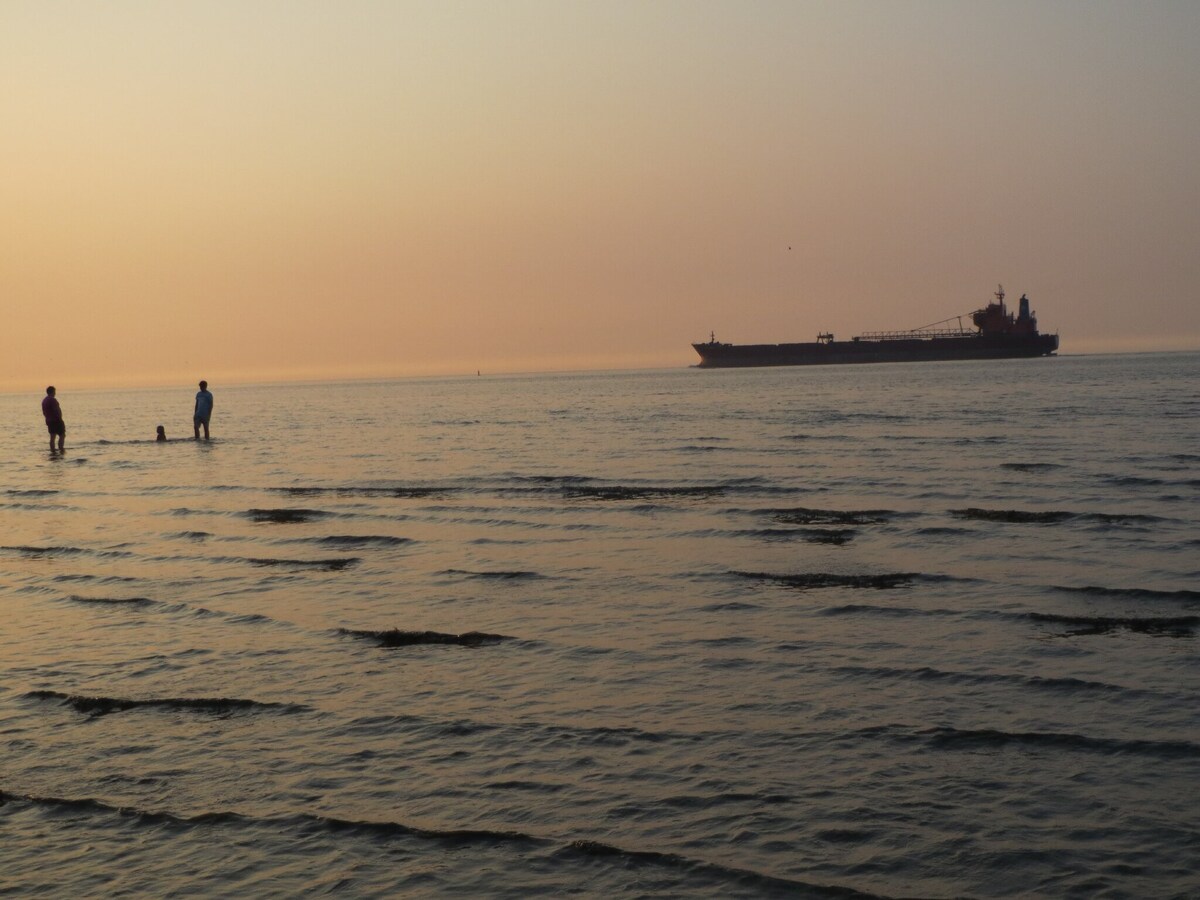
100, 385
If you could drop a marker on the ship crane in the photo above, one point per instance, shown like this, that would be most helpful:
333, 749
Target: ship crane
925, 332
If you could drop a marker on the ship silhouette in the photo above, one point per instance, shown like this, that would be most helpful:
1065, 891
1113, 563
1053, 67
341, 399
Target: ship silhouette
998, 334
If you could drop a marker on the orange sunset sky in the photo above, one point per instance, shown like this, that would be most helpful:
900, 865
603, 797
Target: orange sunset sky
274, 190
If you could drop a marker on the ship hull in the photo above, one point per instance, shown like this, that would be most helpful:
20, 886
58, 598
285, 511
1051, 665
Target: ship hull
716, 355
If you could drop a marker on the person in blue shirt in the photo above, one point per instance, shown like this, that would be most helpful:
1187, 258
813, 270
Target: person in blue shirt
204, 408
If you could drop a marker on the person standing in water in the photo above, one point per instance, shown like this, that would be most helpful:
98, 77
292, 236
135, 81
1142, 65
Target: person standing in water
54, 420
204, 408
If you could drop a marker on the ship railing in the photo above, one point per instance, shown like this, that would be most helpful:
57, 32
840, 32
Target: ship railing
923, 335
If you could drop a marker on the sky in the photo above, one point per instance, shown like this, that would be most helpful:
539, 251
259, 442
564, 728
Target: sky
308, 190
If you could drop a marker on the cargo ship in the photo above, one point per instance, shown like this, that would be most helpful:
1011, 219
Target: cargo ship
997, 334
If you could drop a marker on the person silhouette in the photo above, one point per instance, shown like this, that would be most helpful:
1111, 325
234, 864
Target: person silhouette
204, 408
162, 434
54, 419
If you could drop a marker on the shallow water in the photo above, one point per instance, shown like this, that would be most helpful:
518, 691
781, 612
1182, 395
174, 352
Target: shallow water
893, 630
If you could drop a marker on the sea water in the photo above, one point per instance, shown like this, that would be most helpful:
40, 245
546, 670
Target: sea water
893, 630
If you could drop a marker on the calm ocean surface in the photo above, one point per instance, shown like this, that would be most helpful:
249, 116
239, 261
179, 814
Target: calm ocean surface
896, 630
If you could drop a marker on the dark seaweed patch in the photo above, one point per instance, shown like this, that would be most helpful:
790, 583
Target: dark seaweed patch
801, 515
103, 706
285, 516
1174, 626
396, 637
814, 580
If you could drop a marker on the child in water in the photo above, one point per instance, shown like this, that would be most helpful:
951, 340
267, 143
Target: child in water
162, 433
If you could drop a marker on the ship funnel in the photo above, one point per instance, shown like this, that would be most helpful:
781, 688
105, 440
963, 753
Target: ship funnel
1023, 313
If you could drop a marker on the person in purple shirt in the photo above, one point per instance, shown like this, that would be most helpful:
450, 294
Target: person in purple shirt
54, 420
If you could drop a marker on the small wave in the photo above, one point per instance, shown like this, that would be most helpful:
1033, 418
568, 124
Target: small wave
929, 673
740, 880
856, 609
729, 607
1052, 517
815, 580
285, 516
499, 575
1173, 626
537, 787
103, 706
329, 565
954, 739
1134, 481
1017, 516
12, 492
1132, 593
191, 535
811, 535
98, 579
549, 479
400, 492
396, 637
1031, 467
358, 540
802, 515
632, 492
164, 607
45, 551
744, 879
39, 507
127, 601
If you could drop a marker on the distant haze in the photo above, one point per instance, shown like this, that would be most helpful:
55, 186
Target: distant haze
275, 190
